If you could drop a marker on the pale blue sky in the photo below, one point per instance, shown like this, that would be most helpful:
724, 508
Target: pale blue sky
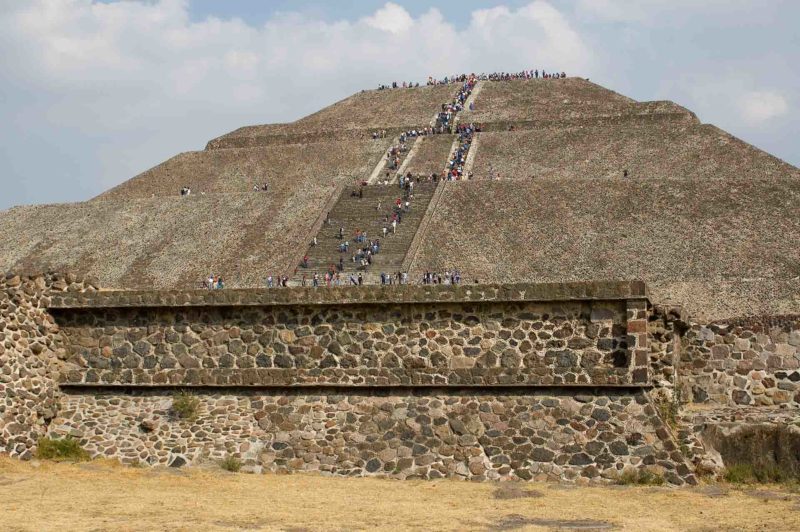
259, 11
94, 94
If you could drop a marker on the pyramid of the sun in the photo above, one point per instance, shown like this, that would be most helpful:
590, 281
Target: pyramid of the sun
705, 219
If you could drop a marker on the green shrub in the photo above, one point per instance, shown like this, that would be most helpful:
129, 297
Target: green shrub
752, 474
231, 463
771, 474
639, 477
685, 450
739, 474
668, 410
186, 406
61, 450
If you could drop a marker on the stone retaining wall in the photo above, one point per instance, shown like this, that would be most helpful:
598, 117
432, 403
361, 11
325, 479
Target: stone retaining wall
666, 325
481, 382
553, 434
647, 116
463, 343
748, 361
30, 348
408, 381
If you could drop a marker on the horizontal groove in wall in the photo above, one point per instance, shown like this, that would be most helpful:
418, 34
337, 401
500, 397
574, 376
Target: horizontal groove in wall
356, 390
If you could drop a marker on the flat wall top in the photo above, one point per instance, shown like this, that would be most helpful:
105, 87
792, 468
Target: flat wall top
395, 294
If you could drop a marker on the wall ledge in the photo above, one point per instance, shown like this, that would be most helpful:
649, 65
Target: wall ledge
364, 295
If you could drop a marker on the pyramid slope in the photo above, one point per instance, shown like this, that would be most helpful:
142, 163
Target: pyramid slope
381, 109
661, 231
431, 156
647, 151
540, 99
164, 242
353, 117
233, 171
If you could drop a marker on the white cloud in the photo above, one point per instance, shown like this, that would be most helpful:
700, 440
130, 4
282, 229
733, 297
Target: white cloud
70, 42
728, 99
392, 18
610, 10
242, 64
534, 36
761, 106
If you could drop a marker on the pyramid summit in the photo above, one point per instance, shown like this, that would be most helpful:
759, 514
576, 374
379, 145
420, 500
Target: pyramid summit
562, 180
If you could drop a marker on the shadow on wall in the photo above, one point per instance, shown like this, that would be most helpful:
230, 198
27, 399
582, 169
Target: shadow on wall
770, 450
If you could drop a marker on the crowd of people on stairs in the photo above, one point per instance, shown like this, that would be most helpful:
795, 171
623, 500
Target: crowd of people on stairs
455, 164
398, 85
493, 76
446, 118
332, 277
498, 76
366, 248
408, 134
361, 247
394, 278
279, 281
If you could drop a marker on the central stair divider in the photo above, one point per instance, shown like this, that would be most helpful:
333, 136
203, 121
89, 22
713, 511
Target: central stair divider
473, 149
413, 151
419, 237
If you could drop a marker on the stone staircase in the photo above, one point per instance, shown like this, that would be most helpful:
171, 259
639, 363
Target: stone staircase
354, 213
378, 174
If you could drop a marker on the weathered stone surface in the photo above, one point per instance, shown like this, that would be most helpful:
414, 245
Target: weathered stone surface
747, 361
31, 349
339, 296
402, 110
458, 343
528, 195
415, 434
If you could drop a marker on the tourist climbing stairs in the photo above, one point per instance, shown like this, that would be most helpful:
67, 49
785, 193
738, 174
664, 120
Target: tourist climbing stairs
383, 170
356, 213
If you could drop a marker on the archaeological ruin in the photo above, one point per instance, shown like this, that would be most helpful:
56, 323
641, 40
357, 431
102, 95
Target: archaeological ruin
628, 296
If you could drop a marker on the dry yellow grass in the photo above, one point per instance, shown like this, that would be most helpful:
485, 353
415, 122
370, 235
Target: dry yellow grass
105, 496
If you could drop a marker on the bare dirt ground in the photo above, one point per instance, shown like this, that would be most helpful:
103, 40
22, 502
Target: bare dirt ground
106, 496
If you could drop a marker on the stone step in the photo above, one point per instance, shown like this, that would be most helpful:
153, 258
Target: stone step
355, 213
376, 259
333, 236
